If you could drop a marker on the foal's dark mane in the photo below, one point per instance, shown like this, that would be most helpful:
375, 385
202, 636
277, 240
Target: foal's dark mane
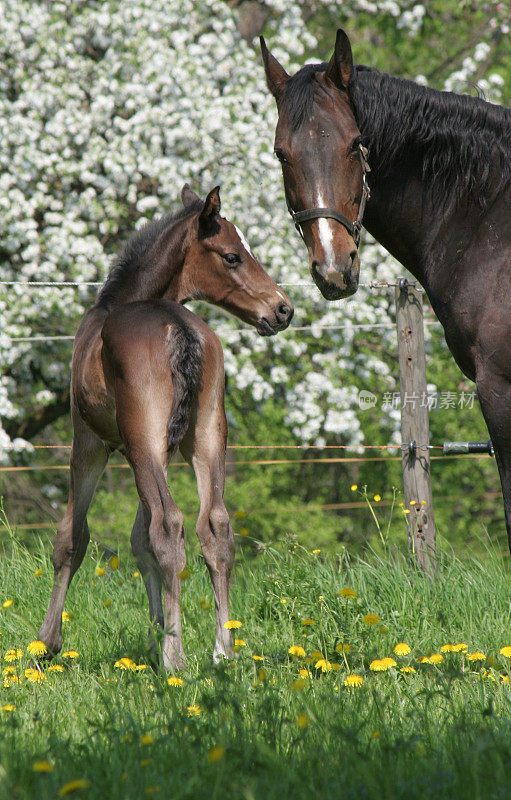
464, 143
131, 259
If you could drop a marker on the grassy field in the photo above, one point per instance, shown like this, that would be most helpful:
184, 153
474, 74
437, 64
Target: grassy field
271, 724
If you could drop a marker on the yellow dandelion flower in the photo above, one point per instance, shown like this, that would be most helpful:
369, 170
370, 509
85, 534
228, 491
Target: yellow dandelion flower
258, 658
379, 665
436, 658
140, 667
343, 647
240, 643
307, 621
100, 571
66, 617
114, 562
354, 487
7, 603
193, 711
38, 573
70, 654
174, 681
505, 678
42, 766
408, 670
316, 551
460, 648
402, 649
216, 754
406, 510
55, 668
390, 662
37, 648
296, 650
232, 624
146, 738
284, 601
315, 655
125, 663
413, 502
14, 654
302, 720
371, 619
8, 708
353, 680
425, 660
304, 673
34, 675
323, 664
348, 593
9, 671
505, 651
136, 574
73, 786
478, 656
377, 498
447, 648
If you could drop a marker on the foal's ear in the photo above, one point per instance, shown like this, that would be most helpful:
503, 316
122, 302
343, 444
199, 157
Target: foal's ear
276, 75
340, 67
209, 211
188, 196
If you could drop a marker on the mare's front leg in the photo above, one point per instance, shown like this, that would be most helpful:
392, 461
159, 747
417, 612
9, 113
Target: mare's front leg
88, 460
204, 447
494, 393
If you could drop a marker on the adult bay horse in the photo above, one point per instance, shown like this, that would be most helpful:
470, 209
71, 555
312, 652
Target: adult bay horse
440, 202
147, 377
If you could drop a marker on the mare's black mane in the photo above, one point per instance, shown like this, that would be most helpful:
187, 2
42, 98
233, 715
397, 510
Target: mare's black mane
131, 257
464, 143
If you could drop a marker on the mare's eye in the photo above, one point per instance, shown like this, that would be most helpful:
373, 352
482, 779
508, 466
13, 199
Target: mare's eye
281, 156
355, 144
232, 258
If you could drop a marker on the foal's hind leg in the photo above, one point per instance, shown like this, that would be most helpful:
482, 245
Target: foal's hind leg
88, 460
204, 448
166, 540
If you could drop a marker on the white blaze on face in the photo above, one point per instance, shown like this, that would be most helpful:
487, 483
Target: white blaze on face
244, 241
326, 234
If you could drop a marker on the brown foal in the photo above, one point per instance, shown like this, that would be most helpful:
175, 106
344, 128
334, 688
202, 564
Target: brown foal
147, 377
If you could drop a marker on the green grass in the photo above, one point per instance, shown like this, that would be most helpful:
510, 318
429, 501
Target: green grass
443, 732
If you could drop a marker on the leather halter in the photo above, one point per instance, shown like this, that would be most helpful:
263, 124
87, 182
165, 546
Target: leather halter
353, 228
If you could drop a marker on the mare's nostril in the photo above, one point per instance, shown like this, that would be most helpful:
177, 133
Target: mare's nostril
353, 256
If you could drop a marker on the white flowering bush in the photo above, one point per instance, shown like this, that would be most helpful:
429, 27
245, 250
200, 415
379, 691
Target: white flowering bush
106, 109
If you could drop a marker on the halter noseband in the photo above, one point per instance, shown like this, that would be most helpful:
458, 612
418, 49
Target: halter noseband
353, 228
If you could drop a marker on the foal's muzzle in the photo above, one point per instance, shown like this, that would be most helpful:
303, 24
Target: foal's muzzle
277, 320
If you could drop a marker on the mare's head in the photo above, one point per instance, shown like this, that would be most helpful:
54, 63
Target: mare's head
220, 267
323, 163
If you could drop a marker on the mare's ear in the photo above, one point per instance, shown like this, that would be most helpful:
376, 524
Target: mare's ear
340, 67
188, 196
276, 75
209, 211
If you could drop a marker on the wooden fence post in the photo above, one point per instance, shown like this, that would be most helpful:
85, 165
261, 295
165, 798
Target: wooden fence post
415, 428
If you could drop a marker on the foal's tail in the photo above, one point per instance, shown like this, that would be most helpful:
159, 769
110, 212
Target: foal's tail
186, 359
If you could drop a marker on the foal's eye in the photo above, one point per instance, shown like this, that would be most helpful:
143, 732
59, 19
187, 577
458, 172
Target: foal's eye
281, 156
232, 258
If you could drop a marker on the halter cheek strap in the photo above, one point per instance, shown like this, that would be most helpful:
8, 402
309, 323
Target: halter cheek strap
353, 228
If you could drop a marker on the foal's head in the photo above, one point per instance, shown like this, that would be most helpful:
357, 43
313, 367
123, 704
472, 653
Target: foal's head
323, 163
219, 267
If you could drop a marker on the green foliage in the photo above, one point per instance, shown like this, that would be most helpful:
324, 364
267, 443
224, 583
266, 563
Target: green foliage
254, 728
